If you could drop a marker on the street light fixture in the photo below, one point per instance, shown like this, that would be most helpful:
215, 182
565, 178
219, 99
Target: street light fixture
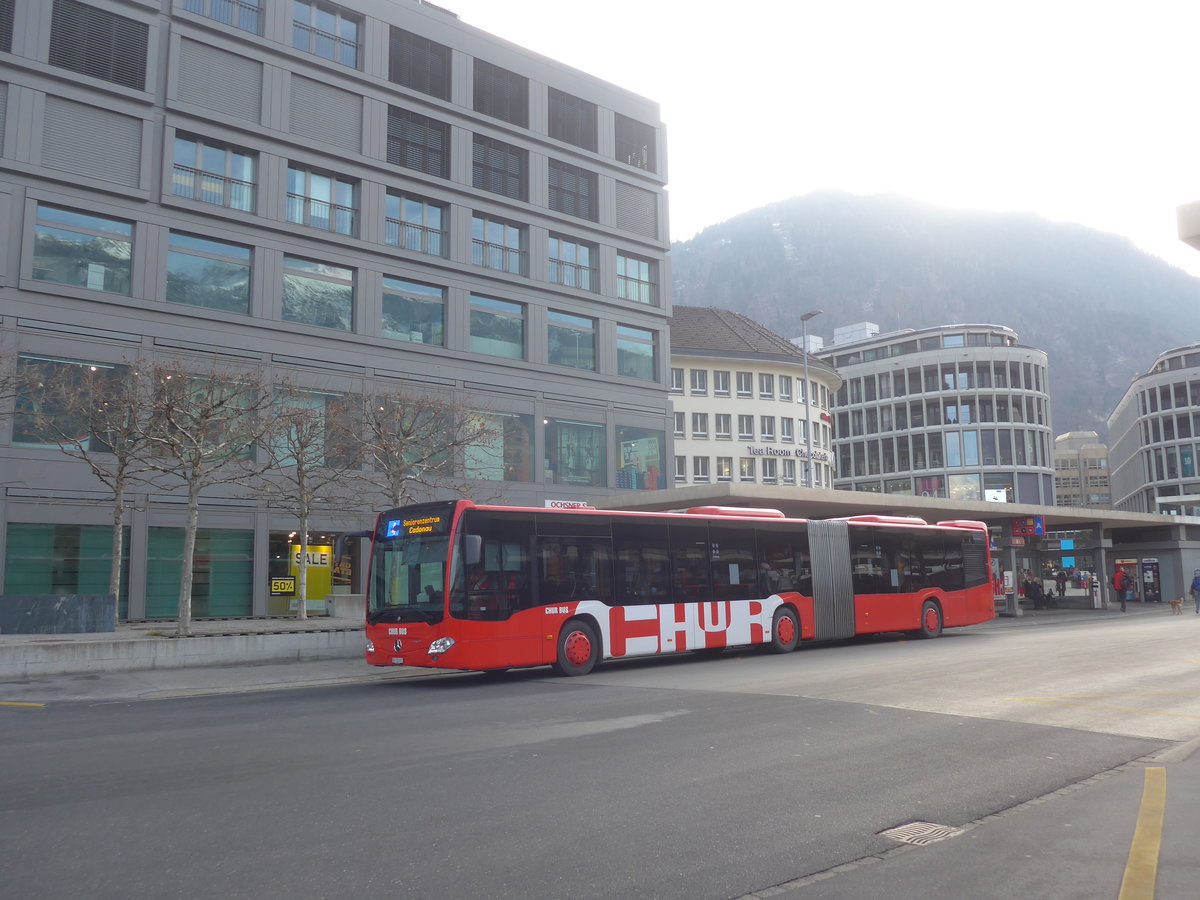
808, 465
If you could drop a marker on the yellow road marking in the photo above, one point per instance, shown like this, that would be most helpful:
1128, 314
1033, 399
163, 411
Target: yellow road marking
16, 703
1141, 868
1110, 696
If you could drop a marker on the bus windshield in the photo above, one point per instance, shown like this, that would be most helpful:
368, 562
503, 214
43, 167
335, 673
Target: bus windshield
408, 566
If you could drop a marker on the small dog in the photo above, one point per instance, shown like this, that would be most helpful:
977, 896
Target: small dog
1177, 606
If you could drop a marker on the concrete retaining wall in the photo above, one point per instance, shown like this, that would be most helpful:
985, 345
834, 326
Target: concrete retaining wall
24, 660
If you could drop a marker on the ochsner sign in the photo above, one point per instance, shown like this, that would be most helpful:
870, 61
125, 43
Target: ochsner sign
798, 452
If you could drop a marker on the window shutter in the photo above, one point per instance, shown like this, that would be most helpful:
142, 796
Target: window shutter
112, 151
326, 113
222, 81
98, 43
637, 210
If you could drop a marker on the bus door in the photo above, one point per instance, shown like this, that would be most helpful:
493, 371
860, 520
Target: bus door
832, 587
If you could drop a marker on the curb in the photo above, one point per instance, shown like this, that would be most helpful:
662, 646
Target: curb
27, 660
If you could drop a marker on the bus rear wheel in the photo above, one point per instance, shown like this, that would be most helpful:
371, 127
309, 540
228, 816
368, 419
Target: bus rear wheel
931, 620
578, 649
785, 631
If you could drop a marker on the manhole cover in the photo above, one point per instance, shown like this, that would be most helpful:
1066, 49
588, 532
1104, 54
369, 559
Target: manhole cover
920, 833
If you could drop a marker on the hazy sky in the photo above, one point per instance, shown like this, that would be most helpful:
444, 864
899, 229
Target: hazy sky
1085, 112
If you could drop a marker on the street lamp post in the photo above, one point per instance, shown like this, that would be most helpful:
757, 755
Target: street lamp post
808, 464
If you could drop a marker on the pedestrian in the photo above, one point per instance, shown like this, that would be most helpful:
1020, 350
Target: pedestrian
1034, 591
1195, 589
1120, 582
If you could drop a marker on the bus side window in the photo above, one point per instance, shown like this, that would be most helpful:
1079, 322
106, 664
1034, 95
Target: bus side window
643, 562
690, 551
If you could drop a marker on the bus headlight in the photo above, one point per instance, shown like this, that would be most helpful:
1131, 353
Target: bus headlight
440, 646
370, 646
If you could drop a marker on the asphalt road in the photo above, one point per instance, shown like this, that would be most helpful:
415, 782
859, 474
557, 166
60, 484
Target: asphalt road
673, 778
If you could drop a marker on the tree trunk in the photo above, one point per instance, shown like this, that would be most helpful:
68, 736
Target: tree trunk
184, 628
118, 551
302, 580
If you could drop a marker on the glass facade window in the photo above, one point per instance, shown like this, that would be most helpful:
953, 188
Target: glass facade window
700, 382
680, 469
419, 63
785, 387
766, 386
497, 244
571, 341
745, 384
317, 293
500, 168
213, 173
746, 428
497, 327
680, 423
98, 43
788, 475
724, 426
572, 190
575, 454
321, 201
676, 381
327, 417
62, 560
82, 250
208, 273
724, 468
637, 353
700, 469
786, 432
642, 458
418, 142
222, 573
42, 418
243, 14
770, 470
571, 119
768, 428
573, 263
416, 224
506, 453
721, 384
699, 425
413, 311
746, 469
635, 144
635, 279
326, 31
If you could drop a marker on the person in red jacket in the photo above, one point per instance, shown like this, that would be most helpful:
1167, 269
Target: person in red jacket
1120, 583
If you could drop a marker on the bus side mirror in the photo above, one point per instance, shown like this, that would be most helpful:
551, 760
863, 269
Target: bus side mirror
472, 548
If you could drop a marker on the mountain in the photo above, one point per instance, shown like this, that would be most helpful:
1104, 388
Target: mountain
1101, 308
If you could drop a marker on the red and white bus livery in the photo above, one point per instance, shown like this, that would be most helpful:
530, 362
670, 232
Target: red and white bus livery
463, 586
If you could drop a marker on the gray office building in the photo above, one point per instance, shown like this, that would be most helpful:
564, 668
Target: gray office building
358, 196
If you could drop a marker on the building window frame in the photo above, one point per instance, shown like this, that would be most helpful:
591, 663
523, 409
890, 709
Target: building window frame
500, 93
573, 263
302, 278
418, 142
322, 200
416, 223
215, 264
497, 327
572, 190
213, 172
102, 248
563, 329
327, 31
637, 353
636, 278
413, 311
243, 14
499, 244
419, 63
500, 168
571, 119
99, 44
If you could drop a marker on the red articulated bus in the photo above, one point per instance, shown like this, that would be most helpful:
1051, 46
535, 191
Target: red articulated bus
457, 585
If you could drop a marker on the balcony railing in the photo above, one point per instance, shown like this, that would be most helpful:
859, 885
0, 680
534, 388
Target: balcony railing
320, 214
418, 238
206, 187
497, 256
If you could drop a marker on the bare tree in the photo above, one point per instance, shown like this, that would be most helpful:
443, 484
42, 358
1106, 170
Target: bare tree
204, 429
313, 455
411, 440
97, 414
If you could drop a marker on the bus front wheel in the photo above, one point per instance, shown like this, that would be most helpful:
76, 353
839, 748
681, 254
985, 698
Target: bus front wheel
785, 631
578, 649
931, 620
